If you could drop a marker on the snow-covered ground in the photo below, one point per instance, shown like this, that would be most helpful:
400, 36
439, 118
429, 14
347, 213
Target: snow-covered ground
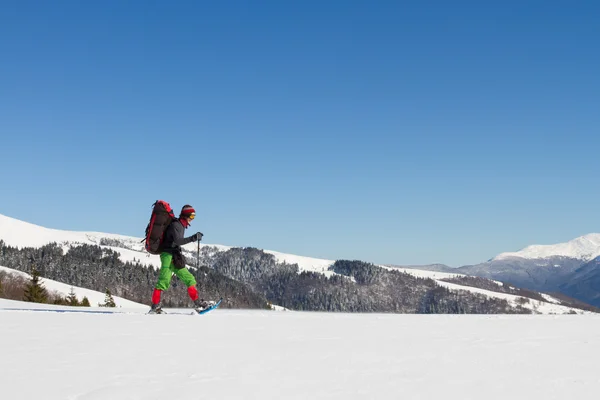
232, 354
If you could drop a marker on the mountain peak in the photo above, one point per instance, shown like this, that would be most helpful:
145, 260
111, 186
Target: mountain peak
586, 247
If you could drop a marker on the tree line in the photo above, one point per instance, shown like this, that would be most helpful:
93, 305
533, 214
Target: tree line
251, 278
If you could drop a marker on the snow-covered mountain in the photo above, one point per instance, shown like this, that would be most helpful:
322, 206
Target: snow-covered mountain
22, 234
571, 268
584, 248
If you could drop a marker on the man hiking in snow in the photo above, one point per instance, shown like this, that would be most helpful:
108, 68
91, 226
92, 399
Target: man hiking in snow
173, 262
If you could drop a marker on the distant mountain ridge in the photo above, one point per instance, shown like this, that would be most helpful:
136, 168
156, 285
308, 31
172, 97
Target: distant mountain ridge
571, 268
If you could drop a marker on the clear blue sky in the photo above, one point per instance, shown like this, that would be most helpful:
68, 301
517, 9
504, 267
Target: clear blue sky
407, 132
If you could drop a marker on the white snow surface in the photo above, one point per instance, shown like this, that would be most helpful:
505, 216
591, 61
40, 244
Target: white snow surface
234, 354
550, 299
22, 234
584, 248
435, 275
304, 263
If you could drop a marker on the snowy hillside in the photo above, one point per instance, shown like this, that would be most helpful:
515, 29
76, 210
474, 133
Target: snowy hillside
20, 234
551, 306
584, 248
63, 289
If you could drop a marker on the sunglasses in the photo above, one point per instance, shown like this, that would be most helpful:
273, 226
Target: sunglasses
192, 216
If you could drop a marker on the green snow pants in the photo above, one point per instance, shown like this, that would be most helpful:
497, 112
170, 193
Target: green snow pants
167, 270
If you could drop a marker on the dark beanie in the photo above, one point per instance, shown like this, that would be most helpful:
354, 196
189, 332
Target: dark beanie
187, 210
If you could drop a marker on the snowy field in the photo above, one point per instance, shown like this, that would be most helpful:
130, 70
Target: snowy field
235, 354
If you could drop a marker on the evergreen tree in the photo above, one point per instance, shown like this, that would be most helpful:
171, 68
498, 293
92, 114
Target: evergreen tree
85, 302
60, 301
35, 291
108, 300
1, 288
72, 298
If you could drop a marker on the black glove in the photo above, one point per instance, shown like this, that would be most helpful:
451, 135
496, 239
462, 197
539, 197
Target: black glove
196, 237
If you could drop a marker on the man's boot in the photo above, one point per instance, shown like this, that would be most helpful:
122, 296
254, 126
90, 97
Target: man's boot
201, 304
156, 309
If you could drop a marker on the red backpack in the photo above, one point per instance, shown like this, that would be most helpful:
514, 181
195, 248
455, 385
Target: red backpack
162, 216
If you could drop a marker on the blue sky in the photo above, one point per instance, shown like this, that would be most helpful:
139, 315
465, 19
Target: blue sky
392, 132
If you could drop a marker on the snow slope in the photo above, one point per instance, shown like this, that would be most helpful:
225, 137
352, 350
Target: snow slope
93, 296
234, 354
304, 263
584, 248
17, 233
551, 306
21, 234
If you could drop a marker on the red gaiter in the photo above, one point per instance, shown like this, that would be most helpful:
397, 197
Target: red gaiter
156, 296
193, 292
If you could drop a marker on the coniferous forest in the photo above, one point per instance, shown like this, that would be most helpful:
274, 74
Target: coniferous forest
251, 278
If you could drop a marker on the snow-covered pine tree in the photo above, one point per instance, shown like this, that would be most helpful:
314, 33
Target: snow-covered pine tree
35, 291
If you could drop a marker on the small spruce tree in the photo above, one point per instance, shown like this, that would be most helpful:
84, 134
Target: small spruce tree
85, 302
72, 298
108, 300
35, 291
